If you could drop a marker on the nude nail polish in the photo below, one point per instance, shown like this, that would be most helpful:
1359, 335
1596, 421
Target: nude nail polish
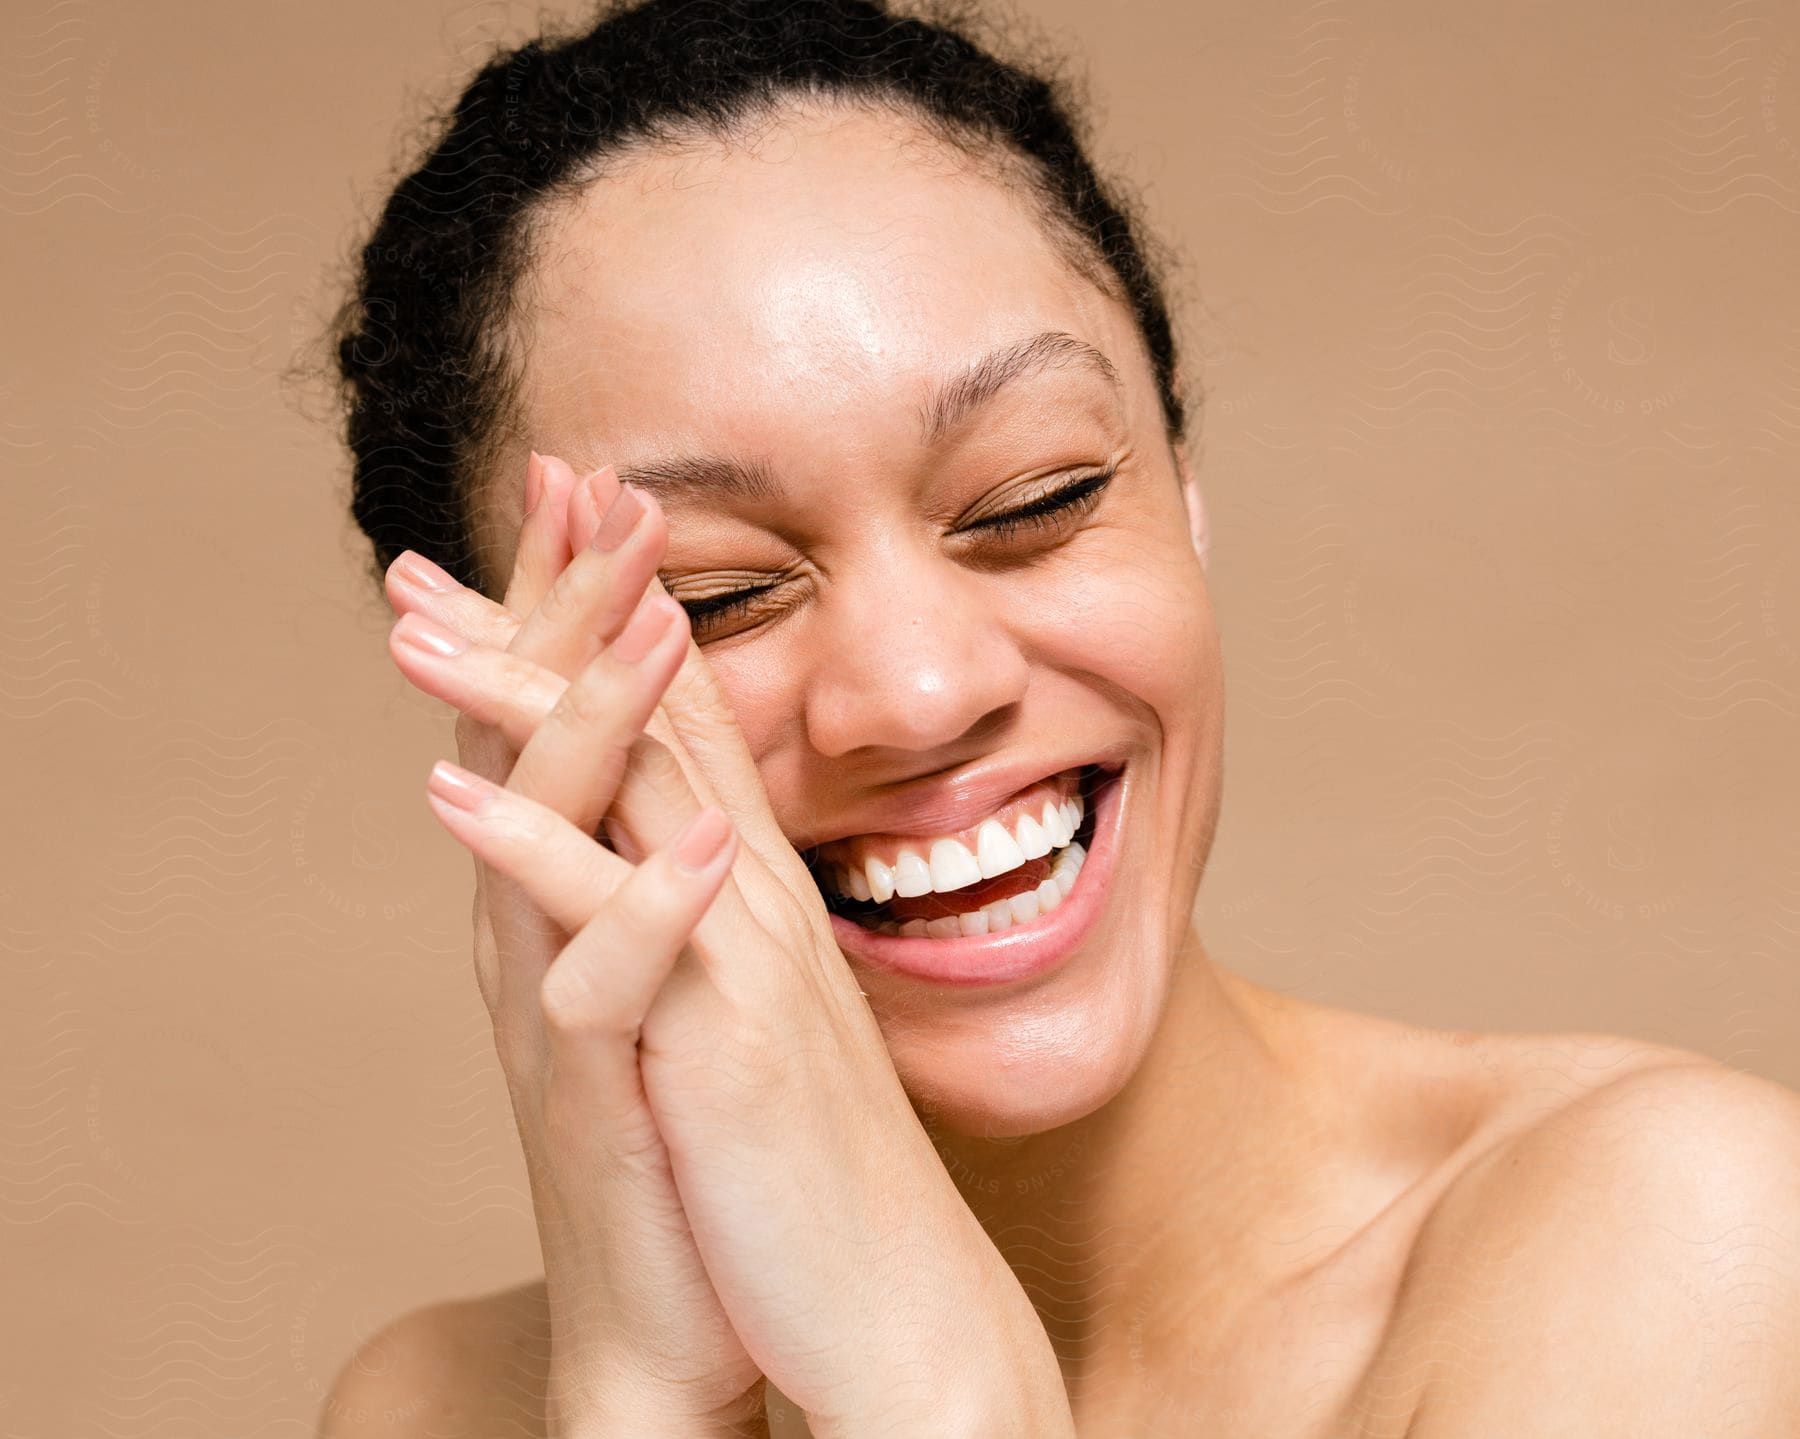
458, 786
621, 519
418, 570
429, 636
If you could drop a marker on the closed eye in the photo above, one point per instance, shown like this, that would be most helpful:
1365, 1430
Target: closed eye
1046, 510
715, 608
1049, 509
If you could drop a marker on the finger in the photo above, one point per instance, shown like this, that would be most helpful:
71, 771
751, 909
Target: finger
587, 504
562, 871
652, 532
514, 941
543, 546
705, 731
487, 685
590, 601
655, 799
497, 692
566, 875
575, 761
415, 585
596, 993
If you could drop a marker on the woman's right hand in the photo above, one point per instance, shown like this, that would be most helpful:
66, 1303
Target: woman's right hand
639, 1342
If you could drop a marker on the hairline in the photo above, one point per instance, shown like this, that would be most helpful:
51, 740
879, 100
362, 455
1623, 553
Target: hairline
505, 346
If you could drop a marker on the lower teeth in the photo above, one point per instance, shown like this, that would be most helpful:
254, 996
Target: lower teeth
1002, 913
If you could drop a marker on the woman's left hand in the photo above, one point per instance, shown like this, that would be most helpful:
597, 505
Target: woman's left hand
847, 1262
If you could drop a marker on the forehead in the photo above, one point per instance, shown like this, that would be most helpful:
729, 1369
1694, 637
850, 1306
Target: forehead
829, 270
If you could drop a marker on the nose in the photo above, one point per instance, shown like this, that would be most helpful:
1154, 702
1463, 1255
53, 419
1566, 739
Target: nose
912, 656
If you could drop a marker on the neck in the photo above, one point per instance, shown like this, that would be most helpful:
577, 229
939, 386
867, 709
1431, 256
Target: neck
1123, 1225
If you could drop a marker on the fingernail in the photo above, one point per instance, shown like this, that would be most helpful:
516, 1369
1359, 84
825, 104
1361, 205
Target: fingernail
428, 636
458, 786
701, 839
414, 567
621, 519
584, 511
647, 626
534, 481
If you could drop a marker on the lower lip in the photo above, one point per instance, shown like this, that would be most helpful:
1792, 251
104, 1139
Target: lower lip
1021, 951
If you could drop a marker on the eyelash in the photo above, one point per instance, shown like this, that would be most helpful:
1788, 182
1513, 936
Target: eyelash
1050, 508
1047, 509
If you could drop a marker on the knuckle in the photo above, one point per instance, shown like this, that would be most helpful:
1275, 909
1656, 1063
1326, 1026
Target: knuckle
566, 1003
655, 761
572, 594
590, 702
490, 710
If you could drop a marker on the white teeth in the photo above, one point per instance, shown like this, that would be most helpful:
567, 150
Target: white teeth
1002, 913
912, 877
1033, 842
881, 880
996, 850
952, 866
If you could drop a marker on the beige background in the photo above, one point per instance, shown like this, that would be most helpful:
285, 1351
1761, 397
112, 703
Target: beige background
1497, 308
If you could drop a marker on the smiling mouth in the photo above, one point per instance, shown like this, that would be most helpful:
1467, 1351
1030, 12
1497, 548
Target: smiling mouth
993, 895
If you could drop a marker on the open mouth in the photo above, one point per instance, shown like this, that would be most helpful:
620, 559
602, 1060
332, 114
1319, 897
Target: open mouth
987, 905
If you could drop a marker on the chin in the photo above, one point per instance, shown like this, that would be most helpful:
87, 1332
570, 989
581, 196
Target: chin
1050, 1073
1008, 1060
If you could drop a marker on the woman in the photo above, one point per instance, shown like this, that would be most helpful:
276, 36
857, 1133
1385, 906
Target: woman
836, 920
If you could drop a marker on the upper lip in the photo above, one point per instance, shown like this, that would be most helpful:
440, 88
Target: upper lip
950, 802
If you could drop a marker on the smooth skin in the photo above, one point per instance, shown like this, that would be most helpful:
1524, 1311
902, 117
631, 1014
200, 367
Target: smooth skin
1231, 1211
636, 1073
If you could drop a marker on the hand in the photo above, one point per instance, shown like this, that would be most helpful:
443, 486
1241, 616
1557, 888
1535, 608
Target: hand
640, 1342
855, 1276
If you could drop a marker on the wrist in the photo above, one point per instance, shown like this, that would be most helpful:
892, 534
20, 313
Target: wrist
615, 1413
620, 1423
969, 1417
1005, 1403
987, 1370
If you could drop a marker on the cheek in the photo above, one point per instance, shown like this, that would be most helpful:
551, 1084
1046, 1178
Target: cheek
761, 693
1131, 610
1137, 617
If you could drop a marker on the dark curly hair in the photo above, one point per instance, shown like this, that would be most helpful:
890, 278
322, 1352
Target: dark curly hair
428, 382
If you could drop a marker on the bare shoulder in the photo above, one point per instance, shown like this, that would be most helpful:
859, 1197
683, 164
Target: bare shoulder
461, 1369
1623, 1256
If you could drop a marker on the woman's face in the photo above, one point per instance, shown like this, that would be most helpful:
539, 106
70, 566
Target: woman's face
909, 671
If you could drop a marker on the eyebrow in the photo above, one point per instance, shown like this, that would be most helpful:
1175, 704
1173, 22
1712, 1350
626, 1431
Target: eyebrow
949, 404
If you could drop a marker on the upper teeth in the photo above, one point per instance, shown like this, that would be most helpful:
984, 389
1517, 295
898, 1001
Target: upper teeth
941, 865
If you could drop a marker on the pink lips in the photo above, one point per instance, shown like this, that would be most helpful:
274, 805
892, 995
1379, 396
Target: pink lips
1020, 952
